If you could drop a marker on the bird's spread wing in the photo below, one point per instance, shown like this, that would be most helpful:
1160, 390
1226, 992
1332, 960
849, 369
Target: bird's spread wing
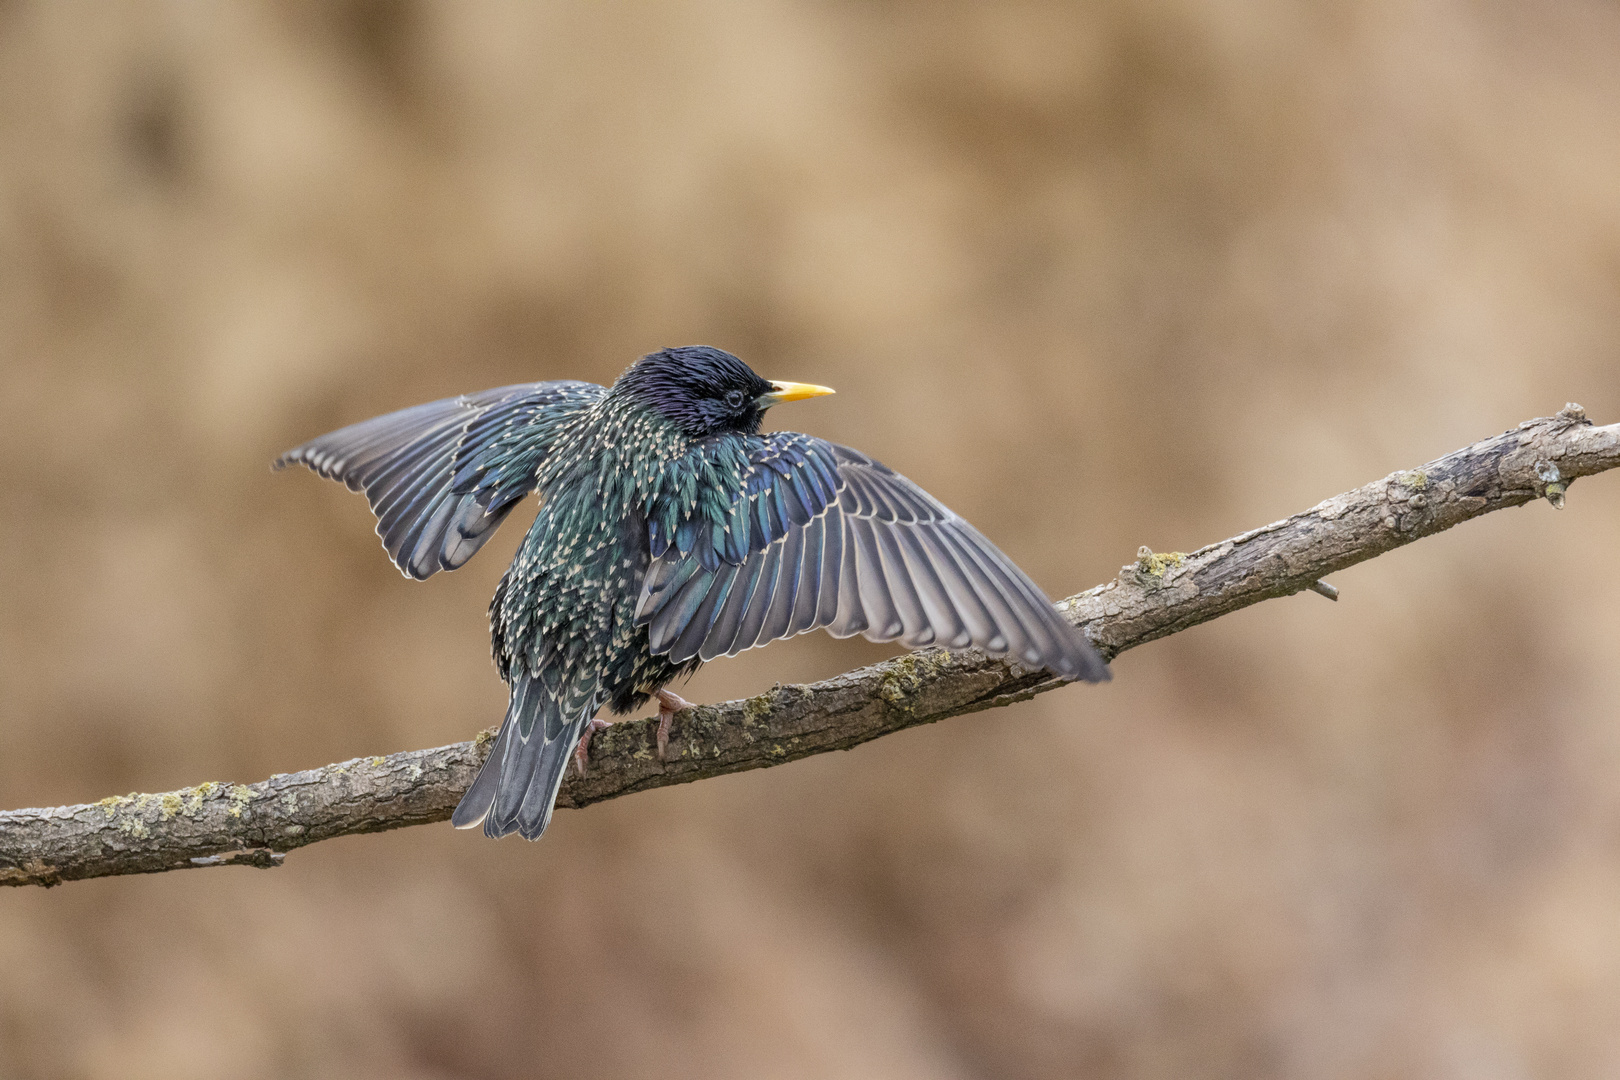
440, 477
823, 536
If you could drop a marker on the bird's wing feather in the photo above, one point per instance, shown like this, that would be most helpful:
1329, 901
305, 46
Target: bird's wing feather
440, 477
824, 536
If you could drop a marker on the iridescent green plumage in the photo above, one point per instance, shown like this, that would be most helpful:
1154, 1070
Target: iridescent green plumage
670, 532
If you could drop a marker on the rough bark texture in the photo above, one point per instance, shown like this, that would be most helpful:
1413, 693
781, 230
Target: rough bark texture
223, 824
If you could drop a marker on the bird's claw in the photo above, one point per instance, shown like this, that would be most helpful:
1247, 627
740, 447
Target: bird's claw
582, 749
669, 703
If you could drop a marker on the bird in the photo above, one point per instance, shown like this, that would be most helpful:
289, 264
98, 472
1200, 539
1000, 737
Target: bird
671, 531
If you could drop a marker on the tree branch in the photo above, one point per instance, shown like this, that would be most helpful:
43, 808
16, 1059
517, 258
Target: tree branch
1158, 595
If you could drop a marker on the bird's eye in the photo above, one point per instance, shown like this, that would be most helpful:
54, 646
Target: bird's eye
735, 399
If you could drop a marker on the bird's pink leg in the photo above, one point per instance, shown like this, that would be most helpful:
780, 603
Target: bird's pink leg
582, 751
669, 703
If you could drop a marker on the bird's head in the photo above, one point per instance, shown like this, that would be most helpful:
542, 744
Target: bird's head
706, 391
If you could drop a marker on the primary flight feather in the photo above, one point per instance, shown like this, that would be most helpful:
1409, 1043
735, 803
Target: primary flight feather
670, 532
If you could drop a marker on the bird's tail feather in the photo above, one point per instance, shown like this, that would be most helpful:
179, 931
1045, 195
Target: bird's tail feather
517, 787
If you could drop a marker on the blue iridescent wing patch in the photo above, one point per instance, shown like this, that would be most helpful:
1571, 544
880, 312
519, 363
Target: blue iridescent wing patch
822, 536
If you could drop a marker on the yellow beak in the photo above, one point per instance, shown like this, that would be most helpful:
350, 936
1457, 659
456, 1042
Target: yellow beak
792, 391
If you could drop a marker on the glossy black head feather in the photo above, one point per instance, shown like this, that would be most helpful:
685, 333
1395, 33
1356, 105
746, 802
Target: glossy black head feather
703, 390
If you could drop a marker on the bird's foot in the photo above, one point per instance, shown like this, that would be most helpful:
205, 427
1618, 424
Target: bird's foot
582, 751
669, 703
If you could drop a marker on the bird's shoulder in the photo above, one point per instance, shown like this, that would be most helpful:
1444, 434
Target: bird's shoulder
738, 493
715, 473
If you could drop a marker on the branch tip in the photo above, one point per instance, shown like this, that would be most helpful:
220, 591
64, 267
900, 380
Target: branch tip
1322, 588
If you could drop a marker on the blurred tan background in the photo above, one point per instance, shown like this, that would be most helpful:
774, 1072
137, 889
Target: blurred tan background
1098, 275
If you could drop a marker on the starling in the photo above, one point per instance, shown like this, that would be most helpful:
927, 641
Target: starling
670, 532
